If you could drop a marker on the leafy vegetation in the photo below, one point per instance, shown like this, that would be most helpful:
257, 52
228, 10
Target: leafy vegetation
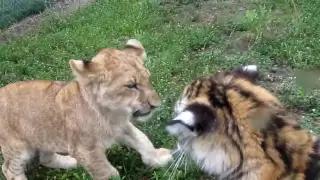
184, 40
12, 11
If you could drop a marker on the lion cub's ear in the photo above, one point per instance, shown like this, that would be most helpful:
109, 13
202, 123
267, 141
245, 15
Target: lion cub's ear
82, 68
135, 46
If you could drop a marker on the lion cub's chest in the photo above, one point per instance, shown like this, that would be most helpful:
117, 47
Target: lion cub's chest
118, 124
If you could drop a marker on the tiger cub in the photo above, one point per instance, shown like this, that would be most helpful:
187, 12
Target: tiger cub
233, 128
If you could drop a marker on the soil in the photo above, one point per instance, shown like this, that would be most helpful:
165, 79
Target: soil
278, 78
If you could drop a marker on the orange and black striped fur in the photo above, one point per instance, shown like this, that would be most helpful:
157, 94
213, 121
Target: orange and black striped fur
233, 128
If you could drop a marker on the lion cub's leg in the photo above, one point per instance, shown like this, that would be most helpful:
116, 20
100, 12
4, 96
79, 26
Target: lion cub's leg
15, 161
54, 160
95, 161
5, 167
136, 139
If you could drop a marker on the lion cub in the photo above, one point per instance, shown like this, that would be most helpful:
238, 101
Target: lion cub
82, 117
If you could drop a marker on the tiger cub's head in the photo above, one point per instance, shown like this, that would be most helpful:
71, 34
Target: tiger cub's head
224, 122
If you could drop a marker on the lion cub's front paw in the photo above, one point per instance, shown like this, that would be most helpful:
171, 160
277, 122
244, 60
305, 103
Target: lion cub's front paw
160, 158
113, 172
164, 156
10, 176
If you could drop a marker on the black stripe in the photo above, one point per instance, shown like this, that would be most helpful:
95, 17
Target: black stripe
264, 146
316, 146
313, 170
217, 98
263, 143
173, 122
284, 155
204, 117
199, 86
232, 128
286, 158
237, 173
189, 90
236, 130
277, 123
241, 91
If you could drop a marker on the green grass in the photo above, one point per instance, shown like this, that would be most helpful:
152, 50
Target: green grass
12, 11
280, 33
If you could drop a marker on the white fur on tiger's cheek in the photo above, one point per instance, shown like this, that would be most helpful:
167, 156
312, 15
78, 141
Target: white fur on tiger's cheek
214, 161
250, 68
187, 118
180, 105
175, 129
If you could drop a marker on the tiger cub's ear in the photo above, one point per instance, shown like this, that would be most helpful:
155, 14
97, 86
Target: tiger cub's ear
249, 72
261, 117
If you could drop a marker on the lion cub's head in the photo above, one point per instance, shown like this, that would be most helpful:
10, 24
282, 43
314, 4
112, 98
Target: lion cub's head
118, 80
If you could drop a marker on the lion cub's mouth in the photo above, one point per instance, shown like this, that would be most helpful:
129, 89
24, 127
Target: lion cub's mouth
140, 113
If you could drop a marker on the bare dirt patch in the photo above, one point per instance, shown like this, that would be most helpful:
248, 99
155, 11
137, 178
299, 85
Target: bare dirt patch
57, 8
223, 10
206, 11
239, 41
278, 78
219, 12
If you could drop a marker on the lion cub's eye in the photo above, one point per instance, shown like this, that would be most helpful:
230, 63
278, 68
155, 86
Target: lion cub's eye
132, 86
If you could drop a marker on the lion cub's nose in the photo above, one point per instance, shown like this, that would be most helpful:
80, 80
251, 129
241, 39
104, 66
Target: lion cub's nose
155, 101
152, 106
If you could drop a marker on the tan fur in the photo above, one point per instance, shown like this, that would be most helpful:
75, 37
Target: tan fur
82, 117
252, 137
